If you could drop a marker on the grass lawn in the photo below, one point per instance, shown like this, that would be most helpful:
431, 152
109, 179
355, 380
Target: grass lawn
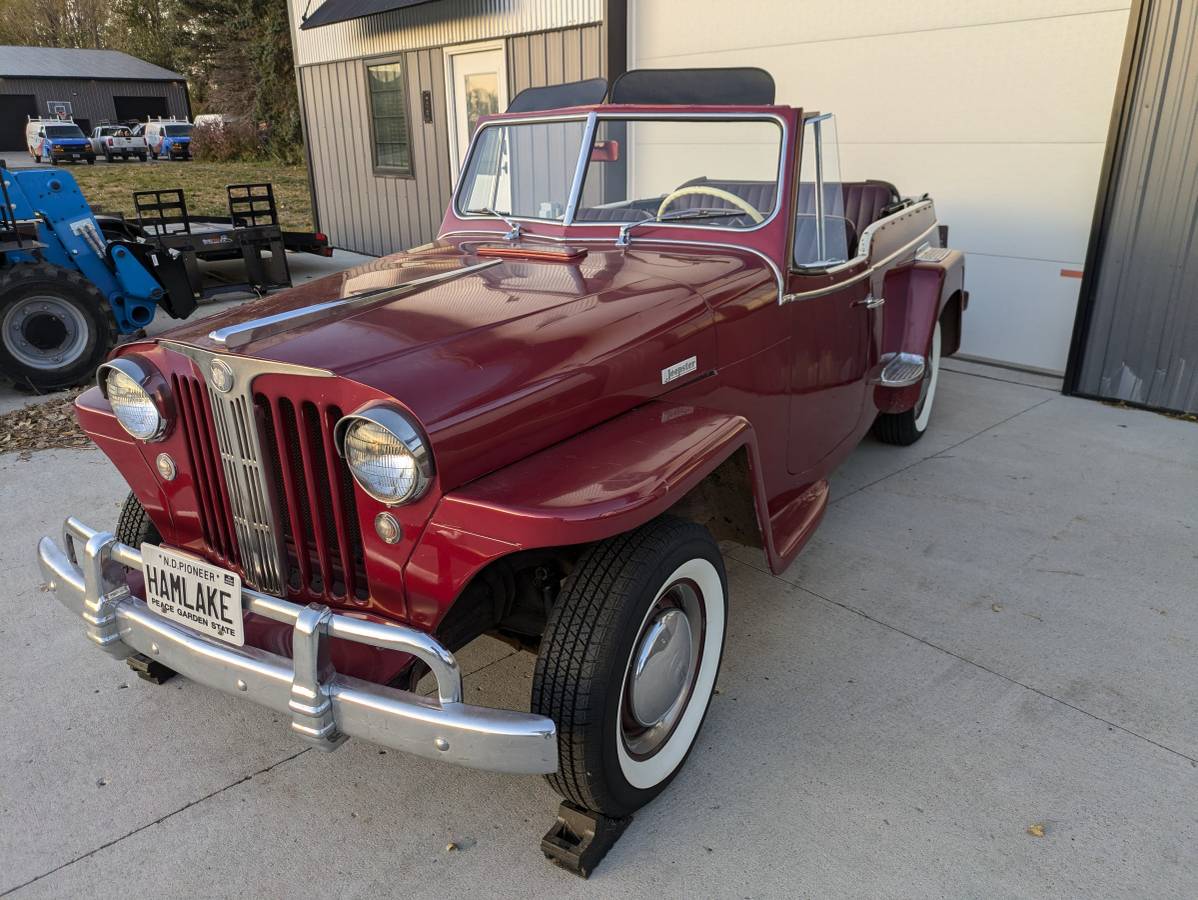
109, 187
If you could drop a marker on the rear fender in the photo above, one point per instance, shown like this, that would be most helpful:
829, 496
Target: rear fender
918, 295
605, 481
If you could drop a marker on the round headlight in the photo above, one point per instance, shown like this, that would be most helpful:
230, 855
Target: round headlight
122, 382
386, 455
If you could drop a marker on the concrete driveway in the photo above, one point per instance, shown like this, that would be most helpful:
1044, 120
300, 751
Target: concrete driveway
992, 636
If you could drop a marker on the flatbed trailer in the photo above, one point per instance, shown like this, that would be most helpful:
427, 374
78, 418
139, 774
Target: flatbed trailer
250, 233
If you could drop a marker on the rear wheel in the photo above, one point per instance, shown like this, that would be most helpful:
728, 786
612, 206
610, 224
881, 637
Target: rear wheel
628, 663
908, 427
55, 327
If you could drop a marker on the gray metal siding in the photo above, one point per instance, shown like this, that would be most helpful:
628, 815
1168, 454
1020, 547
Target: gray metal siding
1141, 345
439, 24
535, 60
92, 99
361, 210
370, 213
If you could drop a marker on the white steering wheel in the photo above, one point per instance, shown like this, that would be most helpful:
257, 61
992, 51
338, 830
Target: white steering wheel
728, 196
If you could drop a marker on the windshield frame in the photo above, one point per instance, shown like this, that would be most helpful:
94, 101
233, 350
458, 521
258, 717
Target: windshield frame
592, 120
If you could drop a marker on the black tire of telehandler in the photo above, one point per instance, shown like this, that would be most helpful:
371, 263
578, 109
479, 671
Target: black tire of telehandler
21, 281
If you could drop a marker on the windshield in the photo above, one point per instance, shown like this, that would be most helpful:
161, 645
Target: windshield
63, 131
176, 130
724, 171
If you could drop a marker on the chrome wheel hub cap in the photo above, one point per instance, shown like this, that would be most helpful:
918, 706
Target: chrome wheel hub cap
661, 672
44, 332
661, 667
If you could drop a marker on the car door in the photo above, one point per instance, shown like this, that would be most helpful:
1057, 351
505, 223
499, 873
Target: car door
832, 311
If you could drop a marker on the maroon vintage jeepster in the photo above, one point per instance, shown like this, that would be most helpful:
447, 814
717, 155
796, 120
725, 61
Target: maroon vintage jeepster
646, 325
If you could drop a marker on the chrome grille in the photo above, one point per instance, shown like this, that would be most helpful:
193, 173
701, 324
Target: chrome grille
249, 477
254, 517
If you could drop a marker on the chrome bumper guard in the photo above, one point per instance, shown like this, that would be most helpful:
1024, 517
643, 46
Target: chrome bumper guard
325, 707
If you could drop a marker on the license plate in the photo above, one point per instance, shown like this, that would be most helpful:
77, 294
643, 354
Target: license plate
194, 592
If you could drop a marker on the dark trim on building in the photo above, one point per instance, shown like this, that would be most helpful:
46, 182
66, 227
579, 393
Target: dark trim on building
615, 22
1133, 50
388, 59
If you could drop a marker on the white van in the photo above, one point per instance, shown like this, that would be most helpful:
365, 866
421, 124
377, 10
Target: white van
57, 140
168, 138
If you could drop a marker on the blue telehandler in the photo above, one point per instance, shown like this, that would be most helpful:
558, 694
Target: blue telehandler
67, 291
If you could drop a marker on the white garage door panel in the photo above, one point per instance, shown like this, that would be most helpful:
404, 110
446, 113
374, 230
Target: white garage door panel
1031, 200
1041, 80
1018, 311
663, 29
999, 110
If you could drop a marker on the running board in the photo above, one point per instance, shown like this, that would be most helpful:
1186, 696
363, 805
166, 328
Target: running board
902, 370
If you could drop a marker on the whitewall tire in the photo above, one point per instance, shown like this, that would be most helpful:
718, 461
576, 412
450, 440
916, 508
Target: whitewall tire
629, 660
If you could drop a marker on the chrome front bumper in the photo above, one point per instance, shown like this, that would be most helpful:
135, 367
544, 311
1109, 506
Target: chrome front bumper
325, 707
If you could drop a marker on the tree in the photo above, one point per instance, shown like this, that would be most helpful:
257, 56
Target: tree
54, 23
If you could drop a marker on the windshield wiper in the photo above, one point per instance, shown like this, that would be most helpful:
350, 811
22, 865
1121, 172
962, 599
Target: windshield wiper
701, 213
516, 230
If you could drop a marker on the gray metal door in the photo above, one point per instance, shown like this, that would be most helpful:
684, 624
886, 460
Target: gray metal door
1136, 337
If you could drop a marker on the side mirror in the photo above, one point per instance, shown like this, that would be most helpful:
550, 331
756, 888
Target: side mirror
605, 151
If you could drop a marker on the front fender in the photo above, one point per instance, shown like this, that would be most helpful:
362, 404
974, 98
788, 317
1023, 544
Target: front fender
605, 481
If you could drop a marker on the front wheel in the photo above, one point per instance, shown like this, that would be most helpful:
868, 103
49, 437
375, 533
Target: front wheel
628, 663
908, 427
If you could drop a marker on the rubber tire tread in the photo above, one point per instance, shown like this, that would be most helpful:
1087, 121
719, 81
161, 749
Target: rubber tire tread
134, 526
573, 673
897, 428
96, 307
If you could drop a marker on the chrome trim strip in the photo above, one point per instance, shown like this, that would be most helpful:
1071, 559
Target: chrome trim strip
324, 707
234, 336
584, 156
832, 288
580, 168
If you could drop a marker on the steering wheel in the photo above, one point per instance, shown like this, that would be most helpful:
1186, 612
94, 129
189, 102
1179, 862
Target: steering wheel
728, 196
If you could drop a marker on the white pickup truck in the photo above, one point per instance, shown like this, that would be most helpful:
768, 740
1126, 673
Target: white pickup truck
117, 141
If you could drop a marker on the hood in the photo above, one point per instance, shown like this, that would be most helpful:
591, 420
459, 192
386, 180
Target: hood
498, 358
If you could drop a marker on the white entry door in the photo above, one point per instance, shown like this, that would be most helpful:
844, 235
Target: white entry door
476, 85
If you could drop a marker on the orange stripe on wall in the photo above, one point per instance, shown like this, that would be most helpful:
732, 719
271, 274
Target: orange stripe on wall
1071, 273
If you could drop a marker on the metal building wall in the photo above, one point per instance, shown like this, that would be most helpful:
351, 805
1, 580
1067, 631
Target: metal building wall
379, 214
1137, 334
92, 98
359, 210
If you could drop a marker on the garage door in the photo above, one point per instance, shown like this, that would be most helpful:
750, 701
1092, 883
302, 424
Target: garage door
999, 110
13, 110
140, 108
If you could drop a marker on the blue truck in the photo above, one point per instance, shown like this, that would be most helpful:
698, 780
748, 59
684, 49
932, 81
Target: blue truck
68, 290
